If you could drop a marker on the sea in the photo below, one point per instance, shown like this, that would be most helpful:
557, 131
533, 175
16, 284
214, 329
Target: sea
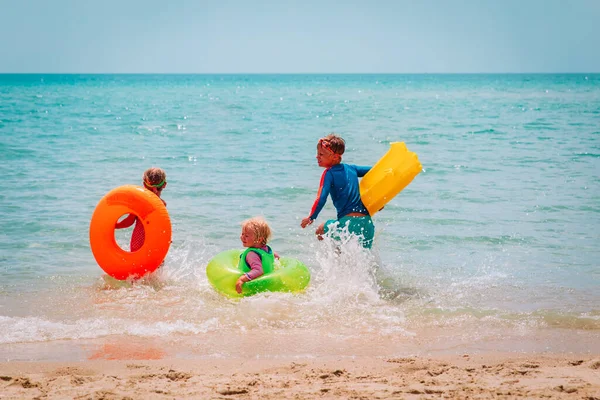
493, 247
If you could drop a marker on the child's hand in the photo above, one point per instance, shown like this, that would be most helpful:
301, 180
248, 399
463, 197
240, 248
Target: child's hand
320, 231
305, 222
239, 283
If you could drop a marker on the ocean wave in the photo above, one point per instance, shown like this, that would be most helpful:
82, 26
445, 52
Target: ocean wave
34, 329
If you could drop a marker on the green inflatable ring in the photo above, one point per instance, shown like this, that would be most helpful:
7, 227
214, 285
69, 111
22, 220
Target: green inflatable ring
290, 275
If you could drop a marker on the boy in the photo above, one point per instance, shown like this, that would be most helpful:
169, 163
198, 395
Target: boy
341, 181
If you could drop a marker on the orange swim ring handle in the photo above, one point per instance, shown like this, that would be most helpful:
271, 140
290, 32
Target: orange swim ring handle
151, 211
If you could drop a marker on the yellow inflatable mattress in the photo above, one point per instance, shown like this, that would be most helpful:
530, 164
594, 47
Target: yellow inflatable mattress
396, 169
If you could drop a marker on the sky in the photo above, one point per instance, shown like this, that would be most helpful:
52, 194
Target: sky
306, 36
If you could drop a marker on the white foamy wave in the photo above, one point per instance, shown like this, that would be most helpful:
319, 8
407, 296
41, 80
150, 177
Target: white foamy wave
347, 272
186, 264
33, 329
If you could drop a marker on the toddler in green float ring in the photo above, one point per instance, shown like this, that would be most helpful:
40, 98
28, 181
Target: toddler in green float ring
258, 259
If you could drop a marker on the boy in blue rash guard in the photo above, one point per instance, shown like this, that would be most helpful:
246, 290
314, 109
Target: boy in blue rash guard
341, 181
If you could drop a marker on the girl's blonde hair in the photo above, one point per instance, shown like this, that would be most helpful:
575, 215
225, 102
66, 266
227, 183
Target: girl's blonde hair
259, 227
154, 176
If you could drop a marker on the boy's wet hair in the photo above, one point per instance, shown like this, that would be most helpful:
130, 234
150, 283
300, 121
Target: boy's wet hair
334, 142
154, 176
260, 227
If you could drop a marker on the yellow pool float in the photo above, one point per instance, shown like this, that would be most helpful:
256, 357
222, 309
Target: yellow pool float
396, 169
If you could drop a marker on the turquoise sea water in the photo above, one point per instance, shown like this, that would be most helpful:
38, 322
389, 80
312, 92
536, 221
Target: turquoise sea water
494, 245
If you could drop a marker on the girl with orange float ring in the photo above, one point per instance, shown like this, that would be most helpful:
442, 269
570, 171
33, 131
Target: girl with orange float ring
151, 236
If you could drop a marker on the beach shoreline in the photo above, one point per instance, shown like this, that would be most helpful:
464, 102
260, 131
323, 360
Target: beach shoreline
489, 375
482, 283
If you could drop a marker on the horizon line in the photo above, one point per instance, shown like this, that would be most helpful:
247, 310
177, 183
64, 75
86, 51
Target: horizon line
300, 73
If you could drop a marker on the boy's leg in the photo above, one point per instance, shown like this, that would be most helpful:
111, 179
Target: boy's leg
327, 226
363, 228
368, 233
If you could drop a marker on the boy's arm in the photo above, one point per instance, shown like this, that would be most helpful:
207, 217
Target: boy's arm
324, 189
362, 170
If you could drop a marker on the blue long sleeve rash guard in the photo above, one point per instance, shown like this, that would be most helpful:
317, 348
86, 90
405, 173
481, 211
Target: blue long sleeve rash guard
341, 181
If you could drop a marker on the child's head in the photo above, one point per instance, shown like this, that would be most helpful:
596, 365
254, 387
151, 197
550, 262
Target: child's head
329, 150
332, 143
255, 232
155, 179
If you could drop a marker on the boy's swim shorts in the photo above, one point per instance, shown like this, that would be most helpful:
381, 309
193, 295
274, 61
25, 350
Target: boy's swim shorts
360, 226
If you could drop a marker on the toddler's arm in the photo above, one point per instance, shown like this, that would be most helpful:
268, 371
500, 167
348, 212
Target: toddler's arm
255, 264
256, 270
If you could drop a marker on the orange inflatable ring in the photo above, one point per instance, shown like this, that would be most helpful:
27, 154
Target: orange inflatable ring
151, 211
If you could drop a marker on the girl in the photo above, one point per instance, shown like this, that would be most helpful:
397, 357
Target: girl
155, 180
258, 259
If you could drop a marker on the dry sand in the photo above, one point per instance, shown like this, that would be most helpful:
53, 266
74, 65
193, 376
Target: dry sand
504, 376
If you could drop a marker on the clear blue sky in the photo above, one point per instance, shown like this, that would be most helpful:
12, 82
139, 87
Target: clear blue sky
311, 36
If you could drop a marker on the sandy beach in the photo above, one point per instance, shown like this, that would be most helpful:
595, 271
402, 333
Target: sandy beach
504, 376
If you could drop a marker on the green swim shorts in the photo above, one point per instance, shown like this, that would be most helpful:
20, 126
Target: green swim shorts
360, 226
